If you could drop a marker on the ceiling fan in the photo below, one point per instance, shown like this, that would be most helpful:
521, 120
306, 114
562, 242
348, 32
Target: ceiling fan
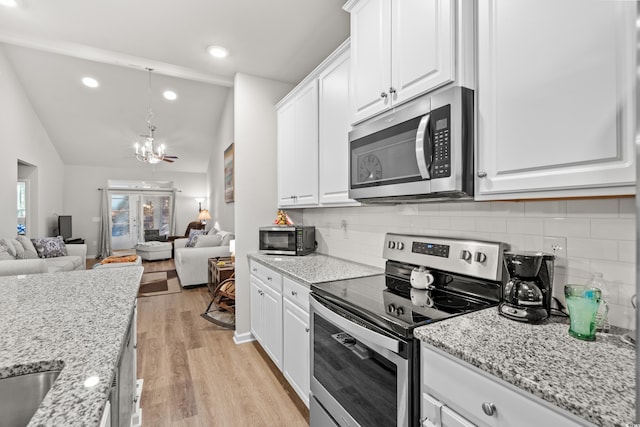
146, 151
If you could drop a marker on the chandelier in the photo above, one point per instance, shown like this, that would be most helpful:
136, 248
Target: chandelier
146, 150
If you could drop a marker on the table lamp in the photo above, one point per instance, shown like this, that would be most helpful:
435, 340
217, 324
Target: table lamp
204, 215
232, 249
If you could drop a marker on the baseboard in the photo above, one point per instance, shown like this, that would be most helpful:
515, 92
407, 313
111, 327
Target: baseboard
243, 338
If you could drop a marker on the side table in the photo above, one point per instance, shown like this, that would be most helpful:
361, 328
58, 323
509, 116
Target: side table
217, 274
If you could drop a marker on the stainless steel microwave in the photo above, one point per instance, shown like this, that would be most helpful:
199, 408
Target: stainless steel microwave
419, 151
287, 240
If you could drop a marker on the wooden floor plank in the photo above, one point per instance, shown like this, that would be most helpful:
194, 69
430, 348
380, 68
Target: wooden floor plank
195, 375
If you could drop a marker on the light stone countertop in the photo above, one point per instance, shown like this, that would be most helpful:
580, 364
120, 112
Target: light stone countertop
76, 321
593, 380
315, 268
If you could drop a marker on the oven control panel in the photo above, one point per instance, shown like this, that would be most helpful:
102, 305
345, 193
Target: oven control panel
480, 259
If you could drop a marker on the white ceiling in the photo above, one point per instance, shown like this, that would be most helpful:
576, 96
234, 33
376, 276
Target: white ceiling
53, 44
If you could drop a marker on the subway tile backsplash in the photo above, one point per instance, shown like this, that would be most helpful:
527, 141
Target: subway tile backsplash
600, 235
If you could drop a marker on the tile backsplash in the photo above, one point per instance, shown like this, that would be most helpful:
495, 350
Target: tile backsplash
600, 236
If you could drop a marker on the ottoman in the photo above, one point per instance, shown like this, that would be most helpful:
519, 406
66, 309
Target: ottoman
150, 251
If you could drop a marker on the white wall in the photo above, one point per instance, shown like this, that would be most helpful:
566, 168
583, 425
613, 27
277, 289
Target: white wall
600, 236
222, 213
82, 198
22, 137
255, 176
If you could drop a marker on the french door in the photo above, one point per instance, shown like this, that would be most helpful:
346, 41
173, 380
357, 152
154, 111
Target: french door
133, 213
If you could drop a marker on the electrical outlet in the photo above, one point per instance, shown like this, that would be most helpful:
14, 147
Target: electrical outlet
558, 247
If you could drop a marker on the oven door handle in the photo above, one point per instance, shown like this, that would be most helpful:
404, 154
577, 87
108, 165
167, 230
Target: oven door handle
423, 153
375, 338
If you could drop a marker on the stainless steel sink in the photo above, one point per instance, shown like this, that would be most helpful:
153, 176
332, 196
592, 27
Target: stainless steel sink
21, 395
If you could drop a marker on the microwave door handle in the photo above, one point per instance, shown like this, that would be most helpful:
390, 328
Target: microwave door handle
423, 157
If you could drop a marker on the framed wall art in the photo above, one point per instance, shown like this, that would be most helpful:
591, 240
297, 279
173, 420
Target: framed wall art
228, 174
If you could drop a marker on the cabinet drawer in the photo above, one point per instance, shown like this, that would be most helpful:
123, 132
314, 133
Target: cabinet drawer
296, 293
465, 390
267, 276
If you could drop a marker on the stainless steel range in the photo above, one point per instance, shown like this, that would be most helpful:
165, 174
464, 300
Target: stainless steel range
365, 360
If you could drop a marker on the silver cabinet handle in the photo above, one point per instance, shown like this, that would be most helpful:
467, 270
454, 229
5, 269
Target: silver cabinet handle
392, 90
383, 94
294, 293
482, 174
489, 408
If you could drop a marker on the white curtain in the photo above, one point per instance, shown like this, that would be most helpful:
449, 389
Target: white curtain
172, 225
104, 238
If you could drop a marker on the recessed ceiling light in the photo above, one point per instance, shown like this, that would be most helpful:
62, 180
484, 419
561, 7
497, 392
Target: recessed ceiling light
9, 3
218, 51
90, 82
170, 95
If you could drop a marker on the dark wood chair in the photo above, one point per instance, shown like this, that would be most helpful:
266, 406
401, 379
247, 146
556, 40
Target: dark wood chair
193, 225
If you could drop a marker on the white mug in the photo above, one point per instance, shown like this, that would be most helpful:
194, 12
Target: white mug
421, 298
421, 278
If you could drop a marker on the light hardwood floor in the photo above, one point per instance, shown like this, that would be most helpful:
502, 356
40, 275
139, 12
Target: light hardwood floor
195, 375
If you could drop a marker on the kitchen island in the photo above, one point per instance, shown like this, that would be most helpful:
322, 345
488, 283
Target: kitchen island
592, 380
75, 322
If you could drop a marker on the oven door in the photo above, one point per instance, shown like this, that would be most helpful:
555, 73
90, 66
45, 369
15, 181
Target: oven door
360, 376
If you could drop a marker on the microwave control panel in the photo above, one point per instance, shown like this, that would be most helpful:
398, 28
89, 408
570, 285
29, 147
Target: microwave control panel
441, 140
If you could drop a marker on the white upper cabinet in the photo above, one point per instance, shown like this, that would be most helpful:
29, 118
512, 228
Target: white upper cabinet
313, 137
298, 148
556, 98
333, 84
400, 49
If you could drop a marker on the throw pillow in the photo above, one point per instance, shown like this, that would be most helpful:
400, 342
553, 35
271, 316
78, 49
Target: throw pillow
50, 247
207, 241
4, 254
8, 246
226, 238
192, 236
212, 231
19, 249
29, 250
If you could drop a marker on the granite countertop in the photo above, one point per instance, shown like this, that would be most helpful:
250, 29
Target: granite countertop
315, 268
74, 321
593, 380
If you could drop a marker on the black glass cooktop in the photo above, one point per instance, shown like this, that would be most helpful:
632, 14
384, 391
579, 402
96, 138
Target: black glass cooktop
392, 304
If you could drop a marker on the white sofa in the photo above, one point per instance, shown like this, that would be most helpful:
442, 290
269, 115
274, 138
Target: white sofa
75, 260
192, 263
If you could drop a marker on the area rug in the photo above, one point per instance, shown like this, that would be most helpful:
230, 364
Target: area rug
159, 283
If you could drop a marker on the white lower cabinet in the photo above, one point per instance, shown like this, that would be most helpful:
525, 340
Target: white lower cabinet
455, 394
280, 323
266, 310
296, 346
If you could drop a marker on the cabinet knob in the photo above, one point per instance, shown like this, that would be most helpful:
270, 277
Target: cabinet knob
306, 329
269, 278
294, 293
255, 270
392, 90
489, 408
482, 174
383, 94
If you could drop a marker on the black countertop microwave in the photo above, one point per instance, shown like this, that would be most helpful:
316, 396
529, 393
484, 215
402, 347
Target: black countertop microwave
287, 239
419, 151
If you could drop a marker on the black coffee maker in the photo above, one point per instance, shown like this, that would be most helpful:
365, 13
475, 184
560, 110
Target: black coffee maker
526, 297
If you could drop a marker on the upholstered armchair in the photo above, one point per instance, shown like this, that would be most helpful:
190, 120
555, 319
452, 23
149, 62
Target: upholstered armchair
193, 225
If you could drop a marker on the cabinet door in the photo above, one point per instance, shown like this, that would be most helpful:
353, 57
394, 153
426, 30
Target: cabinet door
296, 349
272, 332
257, 317
286, 153
305, 180
422, 46
556, 106
370, 56
333, 130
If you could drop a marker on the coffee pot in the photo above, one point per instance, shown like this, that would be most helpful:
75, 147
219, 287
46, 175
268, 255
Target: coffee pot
526, 297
